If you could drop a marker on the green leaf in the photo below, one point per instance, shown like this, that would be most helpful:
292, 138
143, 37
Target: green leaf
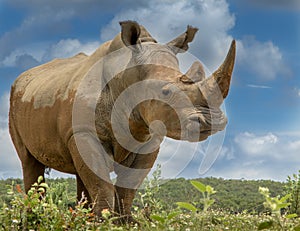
187, 206
199, 186
158, 218
40, 179
265, 225
216, 221
44, 185
284, 199
173, 214
283, 205
42, 190
297, 228
210, 202
290, 216
10, 192
210, 189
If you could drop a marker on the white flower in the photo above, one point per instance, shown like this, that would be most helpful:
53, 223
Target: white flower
263, 190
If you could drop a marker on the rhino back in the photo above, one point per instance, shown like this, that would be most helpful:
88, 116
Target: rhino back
41, 107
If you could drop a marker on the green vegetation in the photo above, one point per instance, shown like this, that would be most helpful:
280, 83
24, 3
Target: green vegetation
179, 204
233, 196
293, 188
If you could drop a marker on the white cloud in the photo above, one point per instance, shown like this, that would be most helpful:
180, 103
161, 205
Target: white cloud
34, 51
69, 47
264, 59
4, 106
175, 156
297, 90
256, 145
266, 156
41, 21
279, 150
29, 56
4, 102
294, 145
191, 160
10, 60
250, 171
20, 59
227, 153
259, 86
9, 164
213, 19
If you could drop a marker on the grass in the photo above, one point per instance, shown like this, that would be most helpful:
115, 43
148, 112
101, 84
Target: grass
52, 211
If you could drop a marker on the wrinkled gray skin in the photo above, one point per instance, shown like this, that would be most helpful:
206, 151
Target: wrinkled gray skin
42, 101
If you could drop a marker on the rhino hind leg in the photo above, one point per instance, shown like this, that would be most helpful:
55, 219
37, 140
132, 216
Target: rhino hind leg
31, 167
81, 190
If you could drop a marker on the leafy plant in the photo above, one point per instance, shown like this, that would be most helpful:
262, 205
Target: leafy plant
41, 211
148, 196
38, 210
206, 201
292, 188
275, 204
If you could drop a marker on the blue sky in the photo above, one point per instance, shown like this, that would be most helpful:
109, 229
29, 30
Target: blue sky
262, 139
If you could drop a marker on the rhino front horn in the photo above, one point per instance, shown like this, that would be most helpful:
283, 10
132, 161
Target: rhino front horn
223, 75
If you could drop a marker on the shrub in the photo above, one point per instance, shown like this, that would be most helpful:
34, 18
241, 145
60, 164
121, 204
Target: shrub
293, 189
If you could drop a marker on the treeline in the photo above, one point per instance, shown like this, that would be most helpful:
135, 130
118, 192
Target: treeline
232, 196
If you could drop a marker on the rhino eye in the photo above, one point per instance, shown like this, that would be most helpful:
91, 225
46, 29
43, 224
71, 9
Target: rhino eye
166, 92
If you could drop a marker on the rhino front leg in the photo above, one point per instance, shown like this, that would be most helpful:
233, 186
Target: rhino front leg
128, 180
92, 167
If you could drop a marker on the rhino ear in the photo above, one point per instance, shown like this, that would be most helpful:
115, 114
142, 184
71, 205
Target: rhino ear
180, 44
130, 32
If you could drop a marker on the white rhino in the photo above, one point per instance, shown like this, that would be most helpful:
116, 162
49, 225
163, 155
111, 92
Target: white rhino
42, 102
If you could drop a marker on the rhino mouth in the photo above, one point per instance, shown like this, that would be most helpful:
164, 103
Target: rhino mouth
201, 125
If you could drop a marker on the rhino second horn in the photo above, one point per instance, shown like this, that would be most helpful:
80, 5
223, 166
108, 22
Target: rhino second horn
223, 75
195, 74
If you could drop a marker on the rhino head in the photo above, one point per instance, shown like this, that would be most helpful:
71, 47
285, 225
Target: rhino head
173, 104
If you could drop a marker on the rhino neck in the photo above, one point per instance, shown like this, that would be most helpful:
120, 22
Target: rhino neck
139, 129
107, 114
